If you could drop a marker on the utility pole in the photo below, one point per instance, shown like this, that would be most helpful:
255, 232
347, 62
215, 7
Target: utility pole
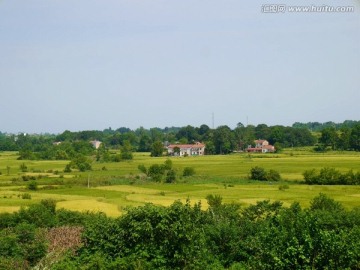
88, 182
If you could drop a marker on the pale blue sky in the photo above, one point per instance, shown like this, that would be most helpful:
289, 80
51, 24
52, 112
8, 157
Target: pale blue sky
91, 64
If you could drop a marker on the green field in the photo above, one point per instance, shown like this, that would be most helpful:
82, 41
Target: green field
114, 186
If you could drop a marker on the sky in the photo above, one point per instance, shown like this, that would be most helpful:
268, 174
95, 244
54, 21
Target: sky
95, 64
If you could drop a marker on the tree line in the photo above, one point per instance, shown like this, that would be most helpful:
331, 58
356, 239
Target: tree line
220, 140
266, 235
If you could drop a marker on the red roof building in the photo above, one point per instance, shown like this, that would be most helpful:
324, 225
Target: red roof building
197, 149
261, 146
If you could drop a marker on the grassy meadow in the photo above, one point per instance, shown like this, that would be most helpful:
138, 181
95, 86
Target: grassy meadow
115, 186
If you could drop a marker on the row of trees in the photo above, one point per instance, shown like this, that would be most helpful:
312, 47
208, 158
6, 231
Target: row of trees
317, 126
344, 139
221, 140
183, 236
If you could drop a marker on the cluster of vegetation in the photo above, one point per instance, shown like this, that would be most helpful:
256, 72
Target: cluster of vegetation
259, 173
221, 140
165, 171
331, 176
225, 236
317, 127
344, 139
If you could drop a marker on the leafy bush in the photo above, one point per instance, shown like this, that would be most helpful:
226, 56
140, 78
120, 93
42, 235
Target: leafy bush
32, 185
142, 168
26, 196
283, 187
28, 177
188, 171
259, 173
67, 168
80, 162
156, 172
170, 176
331, 176
273, 175
23, 167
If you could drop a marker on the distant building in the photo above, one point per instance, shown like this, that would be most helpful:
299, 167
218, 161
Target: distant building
261, 146
56, 143
197, 149
96, 144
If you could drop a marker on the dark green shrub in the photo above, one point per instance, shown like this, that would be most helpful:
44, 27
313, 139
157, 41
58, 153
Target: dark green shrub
258, 173
168, 164
310, 176
329, 176
283, 187
170, 176
26, 196
156, 172
273, 175
188, 171
23, 167
142, 168
67, 168
32, 185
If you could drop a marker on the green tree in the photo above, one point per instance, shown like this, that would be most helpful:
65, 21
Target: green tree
157, 149
329, 137
126, 151
355, 138
223, 140
81, 162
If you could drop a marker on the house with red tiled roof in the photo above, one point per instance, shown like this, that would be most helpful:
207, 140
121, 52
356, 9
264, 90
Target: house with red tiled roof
197, 149
261, 146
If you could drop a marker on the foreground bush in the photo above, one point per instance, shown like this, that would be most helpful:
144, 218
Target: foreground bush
266, 235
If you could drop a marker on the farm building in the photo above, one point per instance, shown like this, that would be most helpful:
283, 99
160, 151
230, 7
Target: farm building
197, 149
96, 144
261, 146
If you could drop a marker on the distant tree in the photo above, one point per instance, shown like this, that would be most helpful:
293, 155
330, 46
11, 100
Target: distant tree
355, 138
157, 149
203, 130
262, 131
329, 137
144, 143
223, 140
126, 151
176, 150
81, 162
344, 139
278, 147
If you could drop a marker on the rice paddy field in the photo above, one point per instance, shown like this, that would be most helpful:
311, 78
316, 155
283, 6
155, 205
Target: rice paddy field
112, 187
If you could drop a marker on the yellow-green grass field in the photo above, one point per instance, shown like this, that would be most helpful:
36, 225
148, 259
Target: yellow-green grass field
222, 175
